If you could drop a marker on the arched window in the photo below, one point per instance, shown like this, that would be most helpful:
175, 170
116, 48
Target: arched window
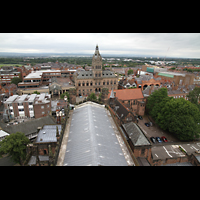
83, 84
99, 74
107, 82
91, 83
114, 82
111, 82
87, 84
79, 84
104, 83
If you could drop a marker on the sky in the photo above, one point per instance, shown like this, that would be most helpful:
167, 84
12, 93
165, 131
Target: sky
184, 45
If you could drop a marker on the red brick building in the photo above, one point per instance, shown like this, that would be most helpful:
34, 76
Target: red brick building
132, 99
31, 106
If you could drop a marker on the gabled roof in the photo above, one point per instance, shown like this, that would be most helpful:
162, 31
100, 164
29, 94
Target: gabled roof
92, 139
135, 134
128, 94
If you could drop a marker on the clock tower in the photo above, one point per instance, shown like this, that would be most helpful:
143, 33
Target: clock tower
97, 63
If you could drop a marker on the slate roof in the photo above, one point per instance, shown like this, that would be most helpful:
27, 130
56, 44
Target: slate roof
48, 134
93, 140
27, 127
135, 134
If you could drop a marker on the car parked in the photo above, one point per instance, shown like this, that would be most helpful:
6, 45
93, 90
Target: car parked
147, 124
158, 139
153, 139
140, 117
164, 139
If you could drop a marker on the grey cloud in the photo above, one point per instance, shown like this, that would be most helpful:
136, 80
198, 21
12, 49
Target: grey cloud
181, 44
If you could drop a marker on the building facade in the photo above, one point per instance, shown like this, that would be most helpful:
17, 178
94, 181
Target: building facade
31, 106
87, 82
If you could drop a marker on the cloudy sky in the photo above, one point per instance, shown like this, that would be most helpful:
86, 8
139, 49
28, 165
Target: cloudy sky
186, 45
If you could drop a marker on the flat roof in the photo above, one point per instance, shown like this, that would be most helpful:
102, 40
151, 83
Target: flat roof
167, 151
92, 139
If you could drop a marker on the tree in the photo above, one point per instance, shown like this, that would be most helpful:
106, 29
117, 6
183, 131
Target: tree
194, 96
63, 95
92, 96
15, 145
36, 92
155, 98
130, 71
181, 118
16, 80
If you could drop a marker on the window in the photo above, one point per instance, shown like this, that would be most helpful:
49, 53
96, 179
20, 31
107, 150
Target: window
43, 113
79, 84
30, 109
83, 84
104, 83
107, 82
47, 106
142, 151
42, 107
95, 75
87, 84
91, 84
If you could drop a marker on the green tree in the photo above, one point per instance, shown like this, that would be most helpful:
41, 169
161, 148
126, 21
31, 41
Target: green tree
181, 118
155, 98
36, 92
15, 145
63, 95
194, 96
130, 71
92, 96
16, 80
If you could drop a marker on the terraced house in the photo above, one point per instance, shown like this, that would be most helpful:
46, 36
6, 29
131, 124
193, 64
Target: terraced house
87, 82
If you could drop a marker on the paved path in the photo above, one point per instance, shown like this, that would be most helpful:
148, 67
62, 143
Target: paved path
64, 141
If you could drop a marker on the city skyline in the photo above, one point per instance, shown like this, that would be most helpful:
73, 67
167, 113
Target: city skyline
184, 45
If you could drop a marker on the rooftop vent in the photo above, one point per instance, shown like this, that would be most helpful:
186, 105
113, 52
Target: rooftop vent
44, 132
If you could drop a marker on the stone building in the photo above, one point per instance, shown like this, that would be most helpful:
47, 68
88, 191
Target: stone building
87, 82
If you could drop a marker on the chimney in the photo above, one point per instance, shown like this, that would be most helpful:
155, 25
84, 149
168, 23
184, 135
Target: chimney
181, 89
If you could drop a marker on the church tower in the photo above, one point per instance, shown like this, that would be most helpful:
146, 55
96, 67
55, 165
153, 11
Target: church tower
97, 63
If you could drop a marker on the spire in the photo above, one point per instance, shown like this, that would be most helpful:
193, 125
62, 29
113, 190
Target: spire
97, 48
112, 96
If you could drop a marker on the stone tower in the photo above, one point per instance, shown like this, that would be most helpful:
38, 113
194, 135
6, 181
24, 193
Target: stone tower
97, 63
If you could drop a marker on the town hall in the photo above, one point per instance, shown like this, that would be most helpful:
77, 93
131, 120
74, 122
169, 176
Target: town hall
96, 79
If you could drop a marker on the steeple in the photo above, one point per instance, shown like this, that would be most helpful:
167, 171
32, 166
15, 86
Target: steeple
97, 63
